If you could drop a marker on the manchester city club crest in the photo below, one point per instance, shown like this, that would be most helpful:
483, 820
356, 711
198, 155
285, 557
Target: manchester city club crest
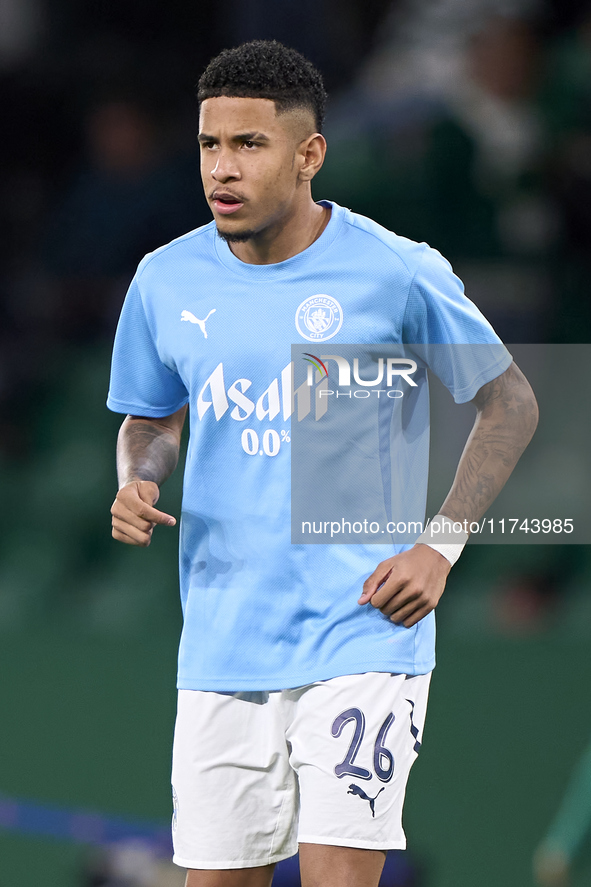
319, 318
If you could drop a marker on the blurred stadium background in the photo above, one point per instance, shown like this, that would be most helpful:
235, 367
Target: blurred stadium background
464, 124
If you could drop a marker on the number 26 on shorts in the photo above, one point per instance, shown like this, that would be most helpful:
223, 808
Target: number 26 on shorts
383, 760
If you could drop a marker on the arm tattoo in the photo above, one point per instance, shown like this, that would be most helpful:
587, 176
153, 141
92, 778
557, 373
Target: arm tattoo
507, 418
146, 451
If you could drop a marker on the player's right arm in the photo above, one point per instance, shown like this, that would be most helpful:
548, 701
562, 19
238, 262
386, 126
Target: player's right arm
147, 454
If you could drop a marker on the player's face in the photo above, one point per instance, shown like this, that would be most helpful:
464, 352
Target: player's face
250, 164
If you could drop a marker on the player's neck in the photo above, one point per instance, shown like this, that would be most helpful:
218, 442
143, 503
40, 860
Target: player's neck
285, 239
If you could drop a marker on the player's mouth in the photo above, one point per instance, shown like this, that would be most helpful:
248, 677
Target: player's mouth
226, 203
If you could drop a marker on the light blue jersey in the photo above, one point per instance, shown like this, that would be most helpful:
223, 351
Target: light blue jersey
201, 327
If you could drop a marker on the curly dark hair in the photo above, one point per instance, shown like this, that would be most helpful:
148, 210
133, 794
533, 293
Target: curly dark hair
265, 69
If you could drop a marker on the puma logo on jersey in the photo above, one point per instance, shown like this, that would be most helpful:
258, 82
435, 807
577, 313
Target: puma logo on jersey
355, 790
186, 315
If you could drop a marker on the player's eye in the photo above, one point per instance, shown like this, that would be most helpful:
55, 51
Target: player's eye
248, 144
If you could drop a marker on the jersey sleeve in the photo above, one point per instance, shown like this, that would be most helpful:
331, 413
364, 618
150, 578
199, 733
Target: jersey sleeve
141, 384
447, 331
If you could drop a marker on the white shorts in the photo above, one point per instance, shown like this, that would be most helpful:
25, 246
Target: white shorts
254, 773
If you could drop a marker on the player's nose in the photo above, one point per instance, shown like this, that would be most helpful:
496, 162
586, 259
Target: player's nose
225, 168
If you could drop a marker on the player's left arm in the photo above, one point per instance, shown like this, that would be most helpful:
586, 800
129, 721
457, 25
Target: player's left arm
409, 585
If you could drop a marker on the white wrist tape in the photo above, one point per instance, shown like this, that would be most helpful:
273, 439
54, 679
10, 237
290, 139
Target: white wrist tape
445, 536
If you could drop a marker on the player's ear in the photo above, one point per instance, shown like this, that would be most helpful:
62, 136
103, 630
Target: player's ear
312, 152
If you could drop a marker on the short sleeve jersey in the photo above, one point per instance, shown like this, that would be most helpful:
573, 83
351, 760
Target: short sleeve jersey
201, 327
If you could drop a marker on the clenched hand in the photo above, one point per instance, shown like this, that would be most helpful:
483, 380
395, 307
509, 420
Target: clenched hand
134, 515
407, 586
